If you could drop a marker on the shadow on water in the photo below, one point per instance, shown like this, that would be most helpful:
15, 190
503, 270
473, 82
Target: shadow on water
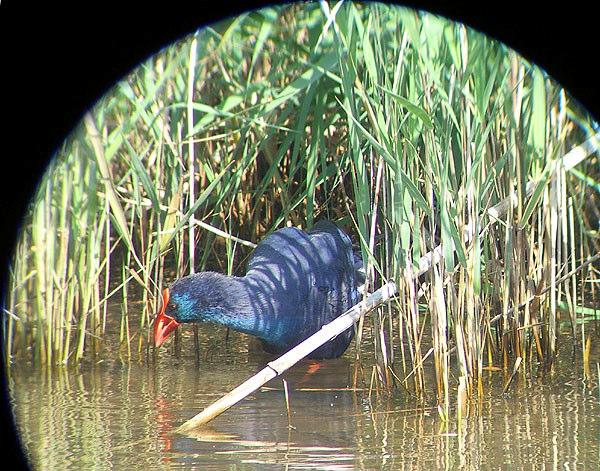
122, 415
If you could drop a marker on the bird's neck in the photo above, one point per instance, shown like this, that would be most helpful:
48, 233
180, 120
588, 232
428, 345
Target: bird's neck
245, 307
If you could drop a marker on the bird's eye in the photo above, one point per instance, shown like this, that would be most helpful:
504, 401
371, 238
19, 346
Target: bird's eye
172, 306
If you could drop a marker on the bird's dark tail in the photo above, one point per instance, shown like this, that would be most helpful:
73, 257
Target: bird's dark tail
359, 269
332, 228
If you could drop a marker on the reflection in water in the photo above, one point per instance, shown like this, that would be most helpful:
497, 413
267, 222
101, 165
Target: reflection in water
122, 415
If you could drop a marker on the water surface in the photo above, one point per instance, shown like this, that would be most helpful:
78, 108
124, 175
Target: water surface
120, 415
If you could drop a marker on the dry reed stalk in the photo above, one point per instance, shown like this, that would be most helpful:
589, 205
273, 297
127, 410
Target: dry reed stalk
439, 318
513, 374
191, 160
462, 401
287, 404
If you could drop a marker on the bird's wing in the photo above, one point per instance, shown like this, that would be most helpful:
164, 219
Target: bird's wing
333, 275
308, 270
307, 279
334, 284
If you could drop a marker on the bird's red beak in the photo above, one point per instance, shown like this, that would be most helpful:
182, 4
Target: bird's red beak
163, 324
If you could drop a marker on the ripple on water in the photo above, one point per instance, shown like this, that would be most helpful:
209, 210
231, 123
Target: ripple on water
122, 415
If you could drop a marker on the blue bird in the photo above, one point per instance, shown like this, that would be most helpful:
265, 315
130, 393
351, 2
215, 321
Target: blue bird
295, 283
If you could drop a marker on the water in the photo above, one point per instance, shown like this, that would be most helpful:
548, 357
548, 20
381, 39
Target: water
120, 415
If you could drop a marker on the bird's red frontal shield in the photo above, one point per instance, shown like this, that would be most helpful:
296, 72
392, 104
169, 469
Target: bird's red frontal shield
163, 324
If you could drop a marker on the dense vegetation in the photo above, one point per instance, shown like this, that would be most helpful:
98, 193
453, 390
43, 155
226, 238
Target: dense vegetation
402, 127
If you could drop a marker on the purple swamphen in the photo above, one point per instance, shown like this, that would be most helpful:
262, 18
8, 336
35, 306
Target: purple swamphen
295, 283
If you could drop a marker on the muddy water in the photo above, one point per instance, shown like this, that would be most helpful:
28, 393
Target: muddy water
120, 415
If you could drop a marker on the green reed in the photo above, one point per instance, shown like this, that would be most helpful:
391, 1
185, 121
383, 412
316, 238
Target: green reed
402, 126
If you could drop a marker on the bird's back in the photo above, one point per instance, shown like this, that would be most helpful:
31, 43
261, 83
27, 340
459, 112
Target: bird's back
308, 279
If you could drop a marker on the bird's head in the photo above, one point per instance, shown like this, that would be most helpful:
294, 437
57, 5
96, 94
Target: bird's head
193, 298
